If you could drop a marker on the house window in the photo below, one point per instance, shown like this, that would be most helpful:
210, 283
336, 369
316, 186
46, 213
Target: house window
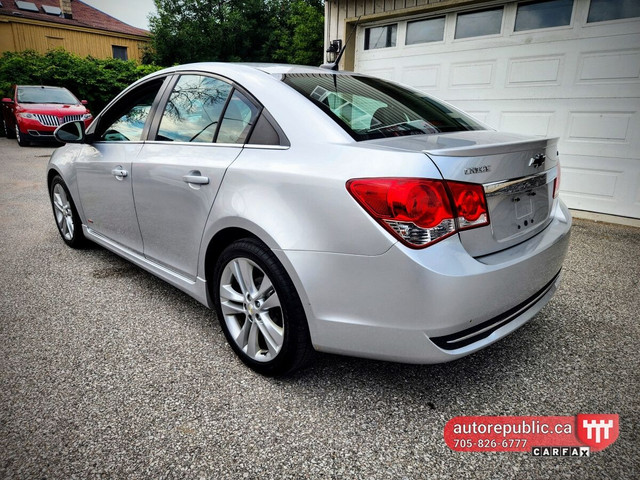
477, 24
120, 52
380, 37
423, 31
602, 10
544, 14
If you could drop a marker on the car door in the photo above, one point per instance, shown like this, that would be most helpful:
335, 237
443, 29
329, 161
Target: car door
199, 133
104, 170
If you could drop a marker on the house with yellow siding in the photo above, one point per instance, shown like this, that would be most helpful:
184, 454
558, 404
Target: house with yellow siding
42, 25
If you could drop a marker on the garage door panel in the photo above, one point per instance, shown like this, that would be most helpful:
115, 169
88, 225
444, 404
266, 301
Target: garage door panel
535, 71
599, 185
609, 67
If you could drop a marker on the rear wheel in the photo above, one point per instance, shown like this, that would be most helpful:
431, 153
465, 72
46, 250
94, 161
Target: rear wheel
259, 309
65, 214
22, 138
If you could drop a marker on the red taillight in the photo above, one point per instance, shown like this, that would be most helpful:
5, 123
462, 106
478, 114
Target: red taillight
556, 183
470, 204
420, 211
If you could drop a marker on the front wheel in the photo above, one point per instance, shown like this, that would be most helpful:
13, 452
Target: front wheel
259, 309
22, 139
9, 133
65, 214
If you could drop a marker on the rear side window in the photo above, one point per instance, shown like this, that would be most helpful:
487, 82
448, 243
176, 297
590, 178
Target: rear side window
239, 117
194, 109
369, 108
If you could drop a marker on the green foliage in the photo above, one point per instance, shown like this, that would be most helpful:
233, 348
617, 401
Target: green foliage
91, 79
301, 42
185, 31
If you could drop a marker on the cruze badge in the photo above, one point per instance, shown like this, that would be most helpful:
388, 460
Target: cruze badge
480, 169
538, 160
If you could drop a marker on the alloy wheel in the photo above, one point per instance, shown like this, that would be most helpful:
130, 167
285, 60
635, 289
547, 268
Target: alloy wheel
252, 310
63, 212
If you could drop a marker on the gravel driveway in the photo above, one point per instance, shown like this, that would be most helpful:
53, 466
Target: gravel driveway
108, 372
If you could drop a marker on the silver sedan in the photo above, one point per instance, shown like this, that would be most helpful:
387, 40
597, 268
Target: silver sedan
319, 210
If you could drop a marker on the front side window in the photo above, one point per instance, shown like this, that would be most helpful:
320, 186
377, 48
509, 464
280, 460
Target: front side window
477, 24
125, 121
380, 37
423, 31
545, 14
370, 108
602, 10
194, 108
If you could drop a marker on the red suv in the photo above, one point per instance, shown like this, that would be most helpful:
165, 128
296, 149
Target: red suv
35, 111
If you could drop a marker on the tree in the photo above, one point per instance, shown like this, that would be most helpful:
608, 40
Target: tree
185, 31
301, 40
95, 80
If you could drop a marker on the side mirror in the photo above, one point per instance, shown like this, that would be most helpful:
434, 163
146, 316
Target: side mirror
84, 102
71, 132
7, 100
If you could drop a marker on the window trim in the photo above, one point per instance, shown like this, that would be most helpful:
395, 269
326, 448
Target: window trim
570, 25
95, 125
613, 21
385, 25
490, 35
123, 48
423, 19
163, 98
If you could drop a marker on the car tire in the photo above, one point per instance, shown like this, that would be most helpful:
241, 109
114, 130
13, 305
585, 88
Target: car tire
65, 214
259, 309
22, 138
9, 133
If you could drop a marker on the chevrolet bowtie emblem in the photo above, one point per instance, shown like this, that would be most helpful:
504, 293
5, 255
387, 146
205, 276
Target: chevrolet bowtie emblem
538, 160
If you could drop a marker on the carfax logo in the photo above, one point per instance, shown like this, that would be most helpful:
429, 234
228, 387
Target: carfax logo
560, 451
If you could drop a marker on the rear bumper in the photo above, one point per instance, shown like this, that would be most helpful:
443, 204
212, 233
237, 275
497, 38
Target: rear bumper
405, 305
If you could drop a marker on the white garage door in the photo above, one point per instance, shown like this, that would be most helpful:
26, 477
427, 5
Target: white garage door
579, 82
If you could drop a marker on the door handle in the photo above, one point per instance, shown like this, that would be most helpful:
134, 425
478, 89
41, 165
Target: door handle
196, 179
119, 172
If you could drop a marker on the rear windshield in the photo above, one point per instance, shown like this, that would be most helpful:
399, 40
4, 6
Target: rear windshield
369, 108
46, 95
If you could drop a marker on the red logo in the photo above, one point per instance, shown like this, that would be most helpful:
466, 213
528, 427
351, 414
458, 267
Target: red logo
597, 431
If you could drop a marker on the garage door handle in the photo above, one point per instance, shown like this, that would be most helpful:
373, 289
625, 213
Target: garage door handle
196, 179
119, 172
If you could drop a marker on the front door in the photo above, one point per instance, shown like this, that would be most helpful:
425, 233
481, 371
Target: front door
105, 172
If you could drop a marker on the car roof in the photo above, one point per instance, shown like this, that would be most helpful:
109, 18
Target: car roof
274, 69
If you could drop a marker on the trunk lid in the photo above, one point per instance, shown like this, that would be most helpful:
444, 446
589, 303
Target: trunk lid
517, 173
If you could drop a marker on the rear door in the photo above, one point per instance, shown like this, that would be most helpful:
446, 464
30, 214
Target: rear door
198, 133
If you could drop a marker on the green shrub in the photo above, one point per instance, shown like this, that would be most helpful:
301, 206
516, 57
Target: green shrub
91, 79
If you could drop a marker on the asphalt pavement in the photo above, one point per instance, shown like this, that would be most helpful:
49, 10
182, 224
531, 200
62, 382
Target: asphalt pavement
107, 372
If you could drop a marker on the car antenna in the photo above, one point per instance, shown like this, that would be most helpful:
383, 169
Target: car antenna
334, 65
